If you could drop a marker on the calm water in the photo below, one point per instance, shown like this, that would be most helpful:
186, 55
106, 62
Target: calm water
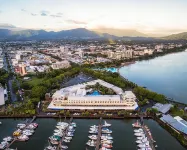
166, 75
122, 133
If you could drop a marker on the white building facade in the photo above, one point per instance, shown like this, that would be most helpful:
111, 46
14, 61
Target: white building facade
74, 97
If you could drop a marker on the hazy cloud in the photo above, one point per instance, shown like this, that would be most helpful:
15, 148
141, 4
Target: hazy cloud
75, 22
6, 26
44, 13
23, 10
33, 14
58, 15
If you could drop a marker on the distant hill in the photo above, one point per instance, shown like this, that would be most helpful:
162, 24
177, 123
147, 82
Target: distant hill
120, 32
179, 36
79, 33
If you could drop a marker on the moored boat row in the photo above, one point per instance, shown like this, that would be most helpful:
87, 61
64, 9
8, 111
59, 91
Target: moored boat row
142, 140
105, 136
62, 135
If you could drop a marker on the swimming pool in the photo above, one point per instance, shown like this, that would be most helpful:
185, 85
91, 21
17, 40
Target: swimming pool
95, 93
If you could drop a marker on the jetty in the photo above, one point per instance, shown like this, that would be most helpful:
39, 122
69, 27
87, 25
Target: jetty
65, 133
15, 138
150, 139
98, 142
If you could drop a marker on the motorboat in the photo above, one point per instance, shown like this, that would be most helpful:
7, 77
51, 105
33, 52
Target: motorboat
8, 139
57, 130
105, 141
94, 126
27, 133
144, 145
93, 137
68, 138
138, 130
107, 145
139, 134
106, 124
61, 127
64, 147
59, 134
31, 126
74, 124
136, 124
54, 142
2, 146
106, 131
91, 143
21, 126
50, 148
5, 143
140, 137
35, 125
104, 148
71, 130
70, 134
23, 137
17, 132
107, 137
93, 131
55, 138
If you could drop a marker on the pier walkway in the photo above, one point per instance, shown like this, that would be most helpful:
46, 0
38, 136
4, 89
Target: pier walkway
151, 142
150, 139
65, 133
98, 142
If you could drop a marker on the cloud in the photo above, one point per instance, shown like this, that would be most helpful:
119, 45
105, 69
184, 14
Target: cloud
58, 15
44, 13
6, 26
33, 14
75, 21
23, 10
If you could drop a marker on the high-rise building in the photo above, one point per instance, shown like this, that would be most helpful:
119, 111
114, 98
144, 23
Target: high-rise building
2, 97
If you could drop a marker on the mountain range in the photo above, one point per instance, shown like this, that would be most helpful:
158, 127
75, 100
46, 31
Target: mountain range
81, 33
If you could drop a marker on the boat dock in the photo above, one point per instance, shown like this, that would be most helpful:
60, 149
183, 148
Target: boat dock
15, 138
98, 142
151, 142
65, 132
150, 139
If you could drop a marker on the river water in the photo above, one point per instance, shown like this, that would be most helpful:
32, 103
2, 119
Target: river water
166, 75
122, 134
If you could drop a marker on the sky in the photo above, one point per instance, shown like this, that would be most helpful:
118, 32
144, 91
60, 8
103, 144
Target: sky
147, 16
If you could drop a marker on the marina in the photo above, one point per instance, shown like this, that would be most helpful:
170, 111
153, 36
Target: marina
24, 130
122, 133
62, 135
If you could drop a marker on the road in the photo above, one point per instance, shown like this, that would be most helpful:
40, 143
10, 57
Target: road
11, 79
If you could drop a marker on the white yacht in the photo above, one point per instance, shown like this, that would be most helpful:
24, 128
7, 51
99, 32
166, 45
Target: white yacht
93, 137
106, 124
139, 134
91, 143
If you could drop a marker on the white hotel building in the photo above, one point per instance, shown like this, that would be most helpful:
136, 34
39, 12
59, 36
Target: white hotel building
74, 97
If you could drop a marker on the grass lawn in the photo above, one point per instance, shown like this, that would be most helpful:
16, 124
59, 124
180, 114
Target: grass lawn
35, 81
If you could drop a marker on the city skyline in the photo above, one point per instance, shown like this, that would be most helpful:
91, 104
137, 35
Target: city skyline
159, 17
